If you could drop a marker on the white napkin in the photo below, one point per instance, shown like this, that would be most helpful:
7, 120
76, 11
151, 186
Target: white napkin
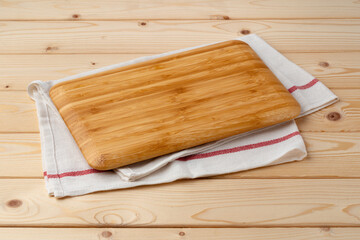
67, 173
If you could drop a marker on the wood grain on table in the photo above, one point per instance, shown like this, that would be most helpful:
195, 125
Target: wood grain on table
317, 198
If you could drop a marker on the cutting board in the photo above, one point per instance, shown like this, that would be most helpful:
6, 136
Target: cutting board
144, 110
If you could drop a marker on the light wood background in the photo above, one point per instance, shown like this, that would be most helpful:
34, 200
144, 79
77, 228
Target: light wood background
318, 198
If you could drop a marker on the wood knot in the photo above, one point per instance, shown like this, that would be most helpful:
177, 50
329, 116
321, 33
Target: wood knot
333, 116
219, 17
51, 49
14, 203
92, 63
181, 233
106, 234
324, 64
75, 16
7, 86
245, 32
142, 23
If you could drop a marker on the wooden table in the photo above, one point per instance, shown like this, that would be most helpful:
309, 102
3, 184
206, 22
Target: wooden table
318, 198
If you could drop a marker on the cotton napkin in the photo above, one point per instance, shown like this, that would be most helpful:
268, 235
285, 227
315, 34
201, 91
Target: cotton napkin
67, 173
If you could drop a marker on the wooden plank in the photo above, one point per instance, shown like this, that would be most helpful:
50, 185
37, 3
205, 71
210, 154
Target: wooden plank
324, 233
184, 9
314, 35
17, 113
330, 155
20, 155
334, 117
51, 67
202, 203
343, 70
335, 70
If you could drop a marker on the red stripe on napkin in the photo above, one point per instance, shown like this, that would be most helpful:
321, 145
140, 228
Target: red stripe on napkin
72, 174
306, 86
240, 148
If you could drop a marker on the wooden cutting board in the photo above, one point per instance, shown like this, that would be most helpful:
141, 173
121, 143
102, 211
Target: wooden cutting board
148, 109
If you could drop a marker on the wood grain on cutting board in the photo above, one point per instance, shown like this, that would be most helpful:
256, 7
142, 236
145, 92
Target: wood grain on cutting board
171, 103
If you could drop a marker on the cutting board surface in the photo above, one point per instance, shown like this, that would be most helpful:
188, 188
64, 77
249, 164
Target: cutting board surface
148, 109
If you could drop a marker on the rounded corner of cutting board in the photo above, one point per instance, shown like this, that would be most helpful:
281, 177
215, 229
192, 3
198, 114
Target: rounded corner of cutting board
238, 42
54, 90
97, 162
101, 162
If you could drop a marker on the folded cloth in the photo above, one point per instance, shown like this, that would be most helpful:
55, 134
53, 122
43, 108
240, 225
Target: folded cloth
67, 173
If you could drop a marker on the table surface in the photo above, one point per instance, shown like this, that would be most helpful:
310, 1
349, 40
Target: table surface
317, 198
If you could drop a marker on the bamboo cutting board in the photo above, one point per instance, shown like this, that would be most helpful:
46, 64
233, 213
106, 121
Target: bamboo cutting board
148, 109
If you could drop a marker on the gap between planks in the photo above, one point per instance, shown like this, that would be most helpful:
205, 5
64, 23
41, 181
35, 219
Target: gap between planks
99, 227
173, 19
182, 227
